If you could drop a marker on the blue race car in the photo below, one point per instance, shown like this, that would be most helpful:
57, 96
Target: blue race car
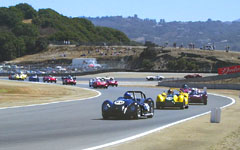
133, 105
34, 78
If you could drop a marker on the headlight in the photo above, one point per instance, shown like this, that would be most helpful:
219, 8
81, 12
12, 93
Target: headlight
119, 102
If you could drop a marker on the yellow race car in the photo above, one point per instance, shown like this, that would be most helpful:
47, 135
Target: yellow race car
22, 76
17, 76
172, 98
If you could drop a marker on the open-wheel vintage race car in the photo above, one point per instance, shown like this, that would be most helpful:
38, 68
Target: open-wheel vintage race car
172, 98
133, 105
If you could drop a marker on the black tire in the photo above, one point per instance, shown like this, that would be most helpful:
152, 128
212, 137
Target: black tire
105, 116
205, 102
183, 105
137, 113
151, 109
158, 106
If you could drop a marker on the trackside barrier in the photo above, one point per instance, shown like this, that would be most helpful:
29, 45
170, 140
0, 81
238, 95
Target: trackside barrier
215, 115
200, 85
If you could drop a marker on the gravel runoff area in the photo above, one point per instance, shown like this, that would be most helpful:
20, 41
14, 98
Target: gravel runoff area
17, 93
197, 134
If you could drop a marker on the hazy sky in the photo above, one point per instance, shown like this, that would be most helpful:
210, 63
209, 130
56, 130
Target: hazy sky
170, 10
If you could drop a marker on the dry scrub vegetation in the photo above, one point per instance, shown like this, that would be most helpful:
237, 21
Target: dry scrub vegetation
21, 93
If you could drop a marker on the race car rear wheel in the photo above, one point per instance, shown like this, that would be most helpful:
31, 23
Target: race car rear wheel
158, 106
205, 102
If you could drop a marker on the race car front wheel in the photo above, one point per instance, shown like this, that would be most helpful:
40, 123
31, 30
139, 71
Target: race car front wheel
183, 105
151, 110
105, 109
138, 113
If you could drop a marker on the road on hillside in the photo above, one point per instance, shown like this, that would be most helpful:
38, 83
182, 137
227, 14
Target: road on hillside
79, 124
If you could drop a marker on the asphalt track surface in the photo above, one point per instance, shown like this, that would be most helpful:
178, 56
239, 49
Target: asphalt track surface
79, 125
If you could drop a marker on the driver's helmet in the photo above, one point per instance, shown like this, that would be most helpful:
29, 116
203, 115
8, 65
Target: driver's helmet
127, 96
185, 86
193, 91
170, 91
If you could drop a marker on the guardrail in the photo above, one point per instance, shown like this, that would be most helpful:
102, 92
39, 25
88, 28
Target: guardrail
200, 85
197, 82
212, 78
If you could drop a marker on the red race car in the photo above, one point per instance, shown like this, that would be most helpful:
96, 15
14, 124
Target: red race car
193, 76
69, 80
111, 81
49, 79
100, 83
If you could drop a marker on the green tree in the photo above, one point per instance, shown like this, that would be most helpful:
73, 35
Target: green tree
22, 29
147, 64
27, 10
9, 18
8, 48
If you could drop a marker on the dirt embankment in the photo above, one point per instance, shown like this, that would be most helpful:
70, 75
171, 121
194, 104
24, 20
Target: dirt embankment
65, 54
137, 57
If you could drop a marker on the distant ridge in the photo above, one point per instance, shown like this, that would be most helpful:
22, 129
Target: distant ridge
238, 20
221, 34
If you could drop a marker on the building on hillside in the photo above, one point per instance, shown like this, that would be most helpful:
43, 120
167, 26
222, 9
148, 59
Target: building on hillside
85, 63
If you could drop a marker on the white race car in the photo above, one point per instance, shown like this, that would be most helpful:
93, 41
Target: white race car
151, 78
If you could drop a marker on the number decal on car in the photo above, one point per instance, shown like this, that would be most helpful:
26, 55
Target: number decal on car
119, 102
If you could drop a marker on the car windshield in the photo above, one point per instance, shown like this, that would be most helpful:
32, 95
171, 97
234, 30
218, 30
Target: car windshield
193, 92
136, 95
174, 92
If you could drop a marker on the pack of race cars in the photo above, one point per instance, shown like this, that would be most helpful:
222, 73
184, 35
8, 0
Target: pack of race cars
103, 82
134, 104
66, 80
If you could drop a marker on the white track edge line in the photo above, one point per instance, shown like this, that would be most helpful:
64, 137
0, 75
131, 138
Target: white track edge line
159, 128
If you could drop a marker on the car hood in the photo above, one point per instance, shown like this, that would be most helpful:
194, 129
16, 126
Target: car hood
123, 101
